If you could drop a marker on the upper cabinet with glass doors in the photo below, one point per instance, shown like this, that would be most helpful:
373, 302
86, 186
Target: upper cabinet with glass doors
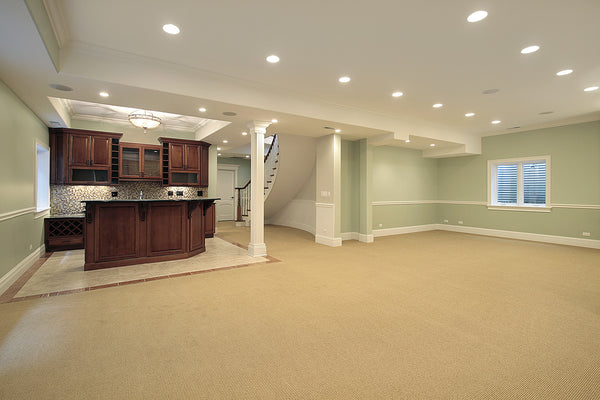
140, 162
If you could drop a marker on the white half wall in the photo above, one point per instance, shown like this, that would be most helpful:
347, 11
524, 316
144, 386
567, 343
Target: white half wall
299, 214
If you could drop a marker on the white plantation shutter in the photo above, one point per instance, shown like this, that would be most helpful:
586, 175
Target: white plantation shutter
507, 179
534, 183
520, 182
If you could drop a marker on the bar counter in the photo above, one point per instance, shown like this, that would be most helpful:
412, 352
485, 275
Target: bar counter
127, 232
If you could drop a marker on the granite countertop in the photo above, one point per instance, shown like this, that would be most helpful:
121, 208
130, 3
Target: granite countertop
66, 216
149, 200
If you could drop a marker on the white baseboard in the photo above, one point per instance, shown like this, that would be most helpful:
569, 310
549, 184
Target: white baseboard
328, 241
404, 229
297, 225
366, 238
257, 249
349, 235
535, 237
361, 237
11, 276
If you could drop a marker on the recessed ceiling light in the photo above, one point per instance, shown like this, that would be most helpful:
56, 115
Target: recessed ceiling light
530, 49
432, 145
244, 133
495, 122
202, 109
590, 89
437, 105
63, 88
344, 79
225, 141
171, 29
274, 121
273, 59
218, 148
247, 156
338, 130
469, 114
477, 16
397, 94
407, 141
564, 72
103, 94
218, 154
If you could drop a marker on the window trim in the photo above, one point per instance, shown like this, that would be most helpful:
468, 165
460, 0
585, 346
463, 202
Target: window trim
519, 207
41, 212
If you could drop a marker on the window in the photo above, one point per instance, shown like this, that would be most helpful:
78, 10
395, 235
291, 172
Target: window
519, 184
42, 179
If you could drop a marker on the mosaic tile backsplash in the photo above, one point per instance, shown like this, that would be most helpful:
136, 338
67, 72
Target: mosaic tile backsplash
66, 199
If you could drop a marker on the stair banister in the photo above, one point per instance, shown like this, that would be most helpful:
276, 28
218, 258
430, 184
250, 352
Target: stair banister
243, 203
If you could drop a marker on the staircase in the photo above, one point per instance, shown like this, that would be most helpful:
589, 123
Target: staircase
289, 167
270, 164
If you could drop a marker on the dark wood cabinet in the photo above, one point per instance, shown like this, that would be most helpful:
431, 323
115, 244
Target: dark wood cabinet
204, 166
210, 221
117, 232
89, 151
185, 162
197, 226
130, 232
140, 162
166, 228
64, 233
83, 157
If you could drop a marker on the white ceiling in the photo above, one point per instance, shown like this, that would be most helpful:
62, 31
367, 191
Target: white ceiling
426, 49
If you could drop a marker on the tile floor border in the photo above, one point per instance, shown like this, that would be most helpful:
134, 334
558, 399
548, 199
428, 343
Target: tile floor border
9, 295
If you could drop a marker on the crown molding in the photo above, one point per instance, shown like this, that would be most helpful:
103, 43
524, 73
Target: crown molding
57, 21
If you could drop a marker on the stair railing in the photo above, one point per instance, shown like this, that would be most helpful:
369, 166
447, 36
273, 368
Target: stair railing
243, 193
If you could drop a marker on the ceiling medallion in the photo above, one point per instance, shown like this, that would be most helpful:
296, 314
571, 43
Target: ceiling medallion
144, 119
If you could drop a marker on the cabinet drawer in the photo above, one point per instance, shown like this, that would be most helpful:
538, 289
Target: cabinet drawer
66, 240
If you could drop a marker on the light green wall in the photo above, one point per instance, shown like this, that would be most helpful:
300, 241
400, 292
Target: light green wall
19, 130
366, 185
243, 174
575, 179
350, 196
403, 175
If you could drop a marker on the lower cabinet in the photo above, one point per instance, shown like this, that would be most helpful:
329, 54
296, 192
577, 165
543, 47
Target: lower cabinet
209, 219
125, 232
63, 233
166, 225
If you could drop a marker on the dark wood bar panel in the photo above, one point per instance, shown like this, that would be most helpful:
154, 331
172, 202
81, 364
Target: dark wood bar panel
127, 232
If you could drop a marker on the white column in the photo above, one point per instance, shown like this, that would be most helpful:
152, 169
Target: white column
257, 246
328, 196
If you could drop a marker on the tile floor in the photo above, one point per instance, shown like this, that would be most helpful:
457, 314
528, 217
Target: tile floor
63, 273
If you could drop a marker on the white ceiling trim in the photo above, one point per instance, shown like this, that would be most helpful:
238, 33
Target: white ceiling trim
57, 21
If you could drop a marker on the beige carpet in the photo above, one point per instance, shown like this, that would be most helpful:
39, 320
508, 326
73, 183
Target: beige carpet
433, 315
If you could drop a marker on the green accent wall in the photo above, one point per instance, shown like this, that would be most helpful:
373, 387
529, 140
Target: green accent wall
243, 174
401, 174
19, 130
350, 196
575, 180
